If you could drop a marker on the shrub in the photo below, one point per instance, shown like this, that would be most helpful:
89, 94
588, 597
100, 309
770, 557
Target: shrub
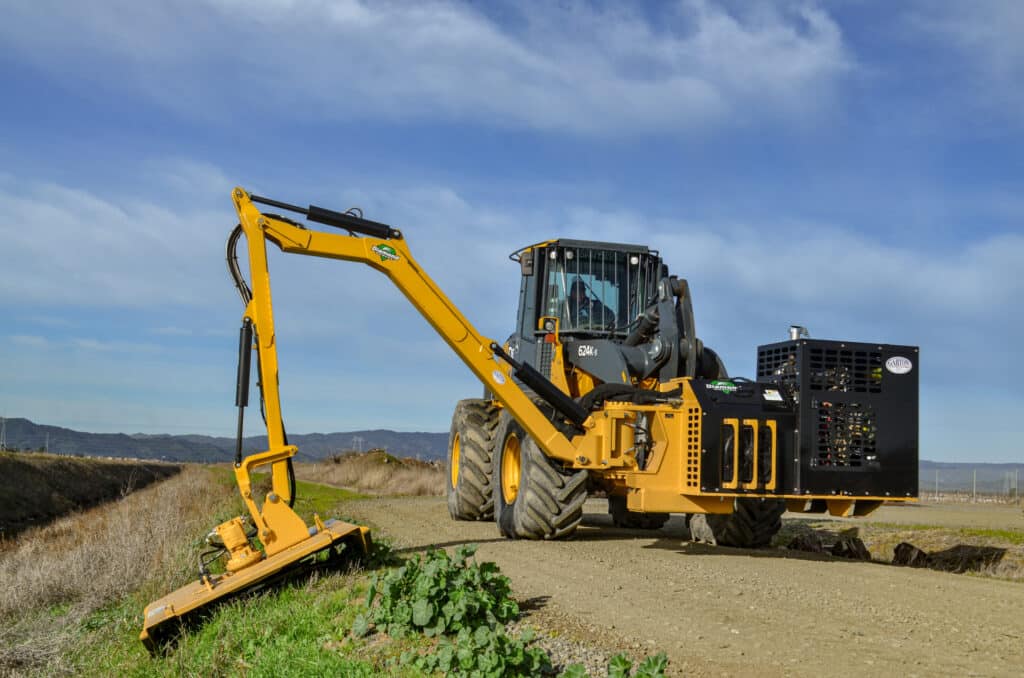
483, 652
438, 594
621, 666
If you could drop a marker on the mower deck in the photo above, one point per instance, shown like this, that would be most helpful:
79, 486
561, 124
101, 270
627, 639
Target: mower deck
166, 612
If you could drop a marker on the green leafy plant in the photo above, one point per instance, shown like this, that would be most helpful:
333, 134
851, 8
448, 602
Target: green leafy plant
621, 666
574, 671
438, 594
486, 651
466, 604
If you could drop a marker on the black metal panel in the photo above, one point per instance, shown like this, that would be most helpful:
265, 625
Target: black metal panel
857, 408
741, 399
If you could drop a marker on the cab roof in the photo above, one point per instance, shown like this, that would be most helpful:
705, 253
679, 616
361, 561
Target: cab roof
585, 244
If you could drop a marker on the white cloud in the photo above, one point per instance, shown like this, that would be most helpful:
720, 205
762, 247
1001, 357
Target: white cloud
172, 331
33, 341
73, 247
347, 336
119, 347
573, 67
189, 178
988, 34
30, 340
820, 264
137, 253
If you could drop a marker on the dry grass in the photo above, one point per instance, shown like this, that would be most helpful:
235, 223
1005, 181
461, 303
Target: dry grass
40, 487
57, 574
377, 473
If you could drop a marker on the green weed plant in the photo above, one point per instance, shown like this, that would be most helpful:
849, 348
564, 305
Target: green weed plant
438, 594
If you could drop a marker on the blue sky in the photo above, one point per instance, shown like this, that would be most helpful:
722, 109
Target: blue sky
855, 167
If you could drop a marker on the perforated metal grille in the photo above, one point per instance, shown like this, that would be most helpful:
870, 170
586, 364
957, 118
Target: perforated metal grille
545, 359
779, 363
828, 369
692, 473
846, 370
846, 436
777, 360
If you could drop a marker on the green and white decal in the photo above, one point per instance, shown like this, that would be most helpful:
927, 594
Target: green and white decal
722, 386
385, 252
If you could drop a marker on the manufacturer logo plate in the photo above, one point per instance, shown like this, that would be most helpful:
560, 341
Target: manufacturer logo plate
899, 365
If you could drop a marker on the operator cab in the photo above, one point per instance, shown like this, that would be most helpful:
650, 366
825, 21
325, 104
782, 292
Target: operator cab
595, 290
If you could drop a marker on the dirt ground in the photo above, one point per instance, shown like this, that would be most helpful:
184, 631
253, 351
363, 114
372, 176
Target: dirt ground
719, 611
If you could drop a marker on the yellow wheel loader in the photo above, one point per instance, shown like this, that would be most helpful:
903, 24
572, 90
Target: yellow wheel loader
657, 424
603, 387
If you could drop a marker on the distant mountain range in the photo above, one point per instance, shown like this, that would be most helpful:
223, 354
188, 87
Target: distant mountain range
23, 434
26, 435
962, 476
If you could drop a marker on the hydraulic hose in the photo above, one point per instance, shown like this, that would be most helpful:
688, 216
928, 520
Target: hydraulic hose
233, 269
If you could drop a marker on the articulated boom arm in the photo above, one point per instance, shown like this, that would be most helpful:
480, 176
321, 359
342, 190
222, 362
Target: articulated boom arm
389, 255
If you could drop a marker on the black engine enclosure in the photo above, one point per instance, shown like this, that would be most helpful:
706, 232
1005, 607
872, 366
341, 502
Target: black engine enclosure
856, 408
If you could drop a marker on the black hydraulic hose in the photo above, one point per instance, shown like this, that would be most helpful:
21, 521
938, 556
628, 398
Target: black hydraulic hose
291, 483
291, 470
233, 269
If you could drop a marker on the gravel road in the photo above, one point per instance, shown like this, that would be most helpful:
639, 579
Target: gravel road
719, 611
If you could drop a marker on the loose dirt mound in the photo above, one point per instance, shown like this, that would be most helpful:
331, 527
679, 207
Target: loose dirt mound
39, 487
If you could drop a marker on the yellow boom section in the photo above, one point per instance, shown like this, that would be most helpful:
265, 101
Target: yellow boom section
391, 257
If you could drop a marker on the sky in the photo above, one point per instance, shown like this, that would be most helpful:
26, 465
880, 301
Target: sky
855, 167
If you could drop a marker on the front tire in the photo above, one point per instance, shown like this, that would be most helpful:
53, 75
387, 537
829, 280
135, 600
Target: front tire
534, 497
470, 460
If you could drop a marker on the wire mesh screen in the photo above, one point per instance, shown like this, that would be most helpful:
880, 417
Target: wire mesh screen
597, 290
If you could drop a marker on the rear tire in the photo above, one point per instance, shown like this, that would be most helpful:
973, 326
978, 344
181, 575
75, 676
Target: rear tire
633, 520
534, 497
752, 524
470, 463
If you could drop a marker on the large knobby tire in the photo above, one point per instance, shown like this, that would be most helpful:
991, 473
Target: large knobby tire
534, 497
470, 452
633, 520
752, 524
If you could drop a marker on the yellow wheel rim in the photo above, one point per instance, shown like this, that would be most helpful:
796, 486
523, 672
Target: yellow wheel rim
510, 463
455, 460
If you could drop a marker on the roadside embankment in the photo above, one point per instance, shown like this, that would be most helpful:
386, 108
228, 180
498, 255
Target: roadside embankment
36, 488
